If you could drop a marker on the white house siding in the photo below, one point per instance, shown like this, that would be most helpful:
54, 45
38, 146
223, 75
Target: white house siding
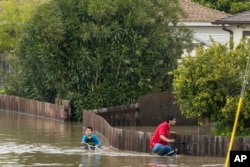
203, 31
206, 30
238, 32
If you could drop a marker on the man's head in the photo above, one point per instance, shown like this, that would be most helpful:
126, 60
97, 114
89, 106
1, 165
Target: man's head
170, 119
89, 131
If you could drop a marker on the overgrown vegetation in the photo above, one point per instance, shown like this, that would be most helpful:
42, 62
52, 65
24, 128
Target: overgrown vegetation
209, 86
98, 53
13, 16
2, 91
101, 55
228, 6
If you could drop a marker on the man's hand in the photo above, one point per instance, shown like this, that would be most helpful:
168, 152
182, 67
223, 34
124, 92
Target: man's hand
171, 140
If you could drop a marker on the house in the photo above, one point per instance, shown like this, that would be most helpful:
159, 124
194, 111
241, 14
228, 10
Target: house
238, 25
200, 20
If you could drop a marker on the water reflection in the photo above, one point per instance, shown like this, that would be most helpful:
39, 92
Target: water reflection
33, 142
90, 160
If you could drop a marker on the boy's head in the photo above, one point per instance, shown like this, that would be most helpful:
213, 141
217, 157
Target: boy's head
89, 131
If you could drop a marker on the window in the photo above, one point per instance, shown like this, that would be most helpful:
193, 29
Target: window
245, 34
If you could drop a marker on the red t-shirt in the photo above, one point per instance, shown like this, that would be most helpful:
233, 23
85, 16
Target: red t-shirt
162, 129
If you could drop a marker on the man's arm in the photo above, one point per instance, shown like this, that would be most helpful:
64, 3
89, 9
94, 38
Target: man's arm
164, 138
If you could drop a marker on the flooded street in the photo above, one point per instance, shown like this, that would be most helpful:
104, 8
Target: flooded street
31, 141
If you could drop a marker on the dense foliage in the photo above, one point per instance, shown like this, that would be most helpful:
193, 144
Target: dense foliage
98, 53
2, 91
228, 6
13, 15
209, 86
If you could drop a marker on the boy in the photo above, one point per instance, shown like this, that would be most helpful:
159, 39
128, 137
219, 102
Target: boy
90, 139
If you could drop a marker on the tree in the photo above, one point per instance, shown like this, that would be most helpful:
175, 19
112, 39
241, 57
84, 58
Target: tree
13, 15
99, 54
228, 6
209, 86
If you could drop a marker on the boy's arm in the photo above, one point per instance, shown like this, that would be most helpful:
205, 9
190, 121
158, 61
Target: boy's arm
83, 140
97, 140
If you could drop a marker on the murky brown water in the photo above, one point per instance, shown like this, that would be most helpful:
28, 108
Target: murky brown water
30, 141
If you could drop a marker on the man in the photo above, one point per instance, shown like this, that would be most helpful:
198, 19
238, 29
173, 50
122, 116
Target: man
90, 139
159, 142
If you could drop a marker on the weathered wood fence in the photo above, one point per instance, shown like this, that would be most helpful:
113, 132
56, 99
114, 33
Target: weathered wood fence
195, 145
117, 138
124, 115
38, 108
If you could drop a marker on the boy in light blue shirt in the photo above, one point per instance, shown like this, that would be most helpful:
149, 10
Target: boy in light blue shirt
90, 139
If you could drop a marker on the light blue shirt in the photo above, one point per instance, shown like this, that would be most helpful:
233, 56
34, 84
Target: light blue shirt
92, 140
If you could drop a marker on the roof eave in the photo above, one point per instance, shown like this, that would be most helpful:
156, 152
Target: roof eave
195, 23
231, 22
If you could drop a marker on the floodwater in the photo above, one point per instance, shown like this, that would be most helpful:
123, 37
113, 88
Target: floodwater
28, 141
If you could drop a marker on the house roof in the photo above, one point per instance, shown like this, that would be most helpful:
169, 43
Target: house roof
199, 13
240, 18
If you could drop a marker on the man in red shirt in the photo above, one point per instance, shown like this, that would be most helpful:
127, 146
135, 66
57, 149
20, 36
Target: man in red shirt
161, 137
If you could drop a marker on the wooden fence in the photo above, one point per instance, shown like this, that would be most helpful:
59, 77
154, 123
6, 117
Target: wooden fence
124, 115
117, 138
195, 145
28, 106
